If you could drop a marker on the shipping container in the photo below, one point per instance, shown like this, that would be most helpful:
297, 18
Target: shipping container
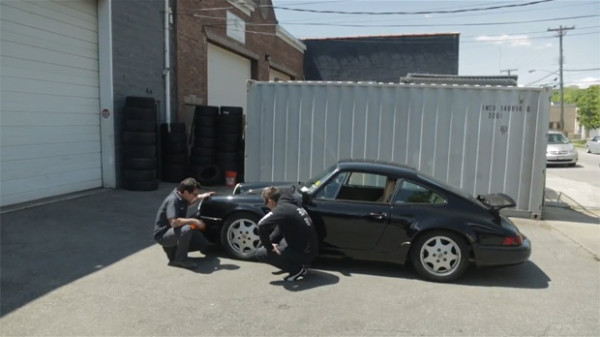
478, 138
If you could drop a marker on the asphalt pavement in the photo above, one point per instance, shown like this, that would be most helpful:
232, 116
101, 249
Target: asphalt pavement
86, 265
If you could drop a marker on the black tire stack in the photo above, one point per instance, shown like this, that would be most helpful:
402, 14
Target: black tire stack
139, 144
174, 152
204, 139
229, 141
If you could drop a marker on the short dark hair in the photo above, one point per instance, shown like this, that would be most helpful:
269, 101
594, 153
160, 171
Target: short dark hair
188, 184
272, 193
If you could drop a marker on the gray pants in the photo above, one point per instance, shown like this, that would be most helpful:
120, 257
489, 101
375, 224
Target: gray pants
185, 239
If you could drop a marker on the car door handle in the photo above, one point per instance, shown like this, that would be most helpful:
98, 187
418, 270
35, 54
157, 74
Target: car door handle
378, 216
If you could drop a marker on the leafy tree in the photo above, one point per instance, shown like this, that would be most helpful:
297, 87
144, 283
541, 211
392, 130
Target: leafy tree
588, 102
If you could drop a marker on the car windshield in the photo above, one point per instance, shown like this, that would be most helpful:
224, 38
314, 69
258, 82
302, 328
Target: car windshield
315, 182
557, 138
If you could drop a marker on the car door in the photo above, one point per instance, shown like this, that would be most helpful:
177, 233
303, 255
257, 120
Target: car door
348, 212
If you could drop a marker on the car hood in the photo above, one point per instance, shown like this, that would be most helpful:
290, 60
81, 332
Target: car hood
257, 187
559, 147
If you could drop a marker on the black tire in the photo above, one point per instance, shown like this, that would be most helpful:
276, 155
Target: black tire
174, 173
204, 152
235, 129
176, 135
231, 120
209, 175
139, 126
175, 159
139, 175
142, 114
210, 142
239, 235
204, 120
175, 148
141, 185
139, 151
451, 249
140, 138
231, 110
141, 102
206, 110
201, 161
140, 163
201, 132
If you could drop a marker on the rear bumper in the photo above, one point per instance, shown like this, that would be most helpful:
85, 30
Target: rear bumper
502, 255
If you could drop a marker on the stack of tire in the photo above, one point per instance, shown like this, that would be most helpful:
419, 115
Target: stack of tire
204, 139
139, 144
229, 141
174, 151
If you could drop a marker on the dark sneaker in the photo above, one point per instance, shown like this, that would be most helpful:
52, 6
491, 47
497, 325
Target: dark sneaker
187, 264
295, 277
278, 272
170, 251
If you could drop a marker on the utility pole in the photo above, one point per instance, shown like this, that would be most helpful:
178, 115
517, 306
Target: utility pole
507, 71
561, 31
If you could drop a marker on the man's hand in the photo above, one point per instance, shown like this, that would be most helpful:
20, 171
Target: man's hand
275, 250
198, 224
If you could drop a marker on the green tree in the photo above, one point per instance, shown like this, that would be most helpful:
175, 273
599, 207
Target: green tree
588, 103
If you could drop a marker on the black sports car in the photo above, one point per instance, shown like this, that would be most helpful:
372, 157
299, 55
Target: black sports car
379, 211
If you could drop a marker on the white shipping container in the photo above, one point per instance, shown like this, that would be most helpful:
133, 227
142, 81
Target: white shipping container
481, 139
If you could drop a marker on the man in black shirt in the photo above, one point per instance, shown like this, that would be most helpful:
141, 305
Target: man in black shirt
287, 234
176, 233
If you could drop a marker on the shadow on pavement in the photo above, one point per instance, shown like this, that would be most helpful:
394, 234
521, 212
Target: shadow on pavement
50, 245
560, 207
526, 275
314, 279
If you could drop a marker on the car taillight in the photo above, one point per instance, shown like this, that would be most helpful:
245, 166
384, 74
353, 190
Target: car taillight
513, 240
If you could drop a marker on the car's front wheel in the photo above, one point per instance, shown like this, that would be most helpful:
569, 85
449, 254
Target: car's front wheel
239, 235
587, 149
440, 256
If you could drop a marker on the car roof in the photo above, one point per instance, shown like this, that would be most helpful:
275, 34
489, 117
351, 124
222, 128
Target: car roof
376, 165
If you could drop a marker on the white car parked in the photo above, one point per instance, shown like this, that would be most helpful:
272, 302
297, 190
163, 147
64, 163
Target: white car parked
593, 145
559, 150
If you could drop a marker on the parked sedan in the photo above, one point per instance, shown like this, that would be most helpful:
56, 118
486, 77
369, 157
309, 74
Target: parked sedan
559, 150
593, 145
380, 211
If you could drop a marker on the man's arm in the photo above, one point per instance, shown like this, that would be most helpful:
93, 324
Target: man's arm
179, 222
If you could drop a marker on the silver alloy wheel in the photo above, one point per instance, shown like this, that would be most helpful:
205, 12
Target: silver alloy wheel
242, 236
440, 255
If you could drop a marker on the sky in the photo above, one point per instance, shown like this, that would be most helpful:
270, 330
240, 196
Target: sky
513, 40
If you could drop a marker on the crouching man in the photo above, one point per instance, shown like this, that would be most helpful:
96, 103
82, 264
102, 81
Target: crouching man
287, 234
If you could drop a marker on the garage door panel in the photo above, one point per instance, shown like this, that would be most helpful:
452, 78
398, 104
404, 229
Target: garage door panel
43, 187
228, 74
44, 87
64, 11
13, 32
30, 167
43, 71
48, 150
31, 53
12, 101
44, 19
27, 135
43, 118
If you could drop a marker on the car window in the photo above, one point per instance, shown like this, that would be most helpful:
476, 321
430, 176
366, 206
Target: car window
557, 138
331, 188
358, 186
414, 193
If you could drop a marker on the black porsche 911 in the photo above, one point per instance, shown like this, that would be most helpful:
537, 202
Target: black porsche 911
378, 211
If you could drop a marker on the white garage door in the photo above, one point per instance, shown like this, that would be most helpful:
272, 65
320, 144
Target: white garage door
50, 127
227, 76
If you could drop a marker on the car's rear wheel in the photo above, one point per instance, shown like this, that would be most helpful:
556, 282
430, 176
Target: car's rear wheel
440, 256
587, 149
239, 235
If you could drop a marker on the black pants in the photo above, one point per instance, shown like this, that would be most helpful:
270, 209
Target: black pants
185, 239
289, 260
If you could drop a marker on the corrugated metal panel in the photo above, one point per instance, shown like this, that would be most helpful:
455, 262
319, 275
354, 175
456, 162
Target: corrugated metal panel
481, 139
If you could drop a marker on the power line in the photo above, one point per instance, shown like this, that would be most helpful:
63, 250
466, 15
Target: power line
315, 11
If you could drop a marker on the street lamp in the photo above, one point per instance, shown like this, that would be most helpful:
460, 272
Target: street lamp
562, 94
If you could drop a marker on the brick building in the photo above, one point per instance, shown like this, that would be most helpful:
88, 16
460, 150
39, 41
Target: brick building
223, 43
